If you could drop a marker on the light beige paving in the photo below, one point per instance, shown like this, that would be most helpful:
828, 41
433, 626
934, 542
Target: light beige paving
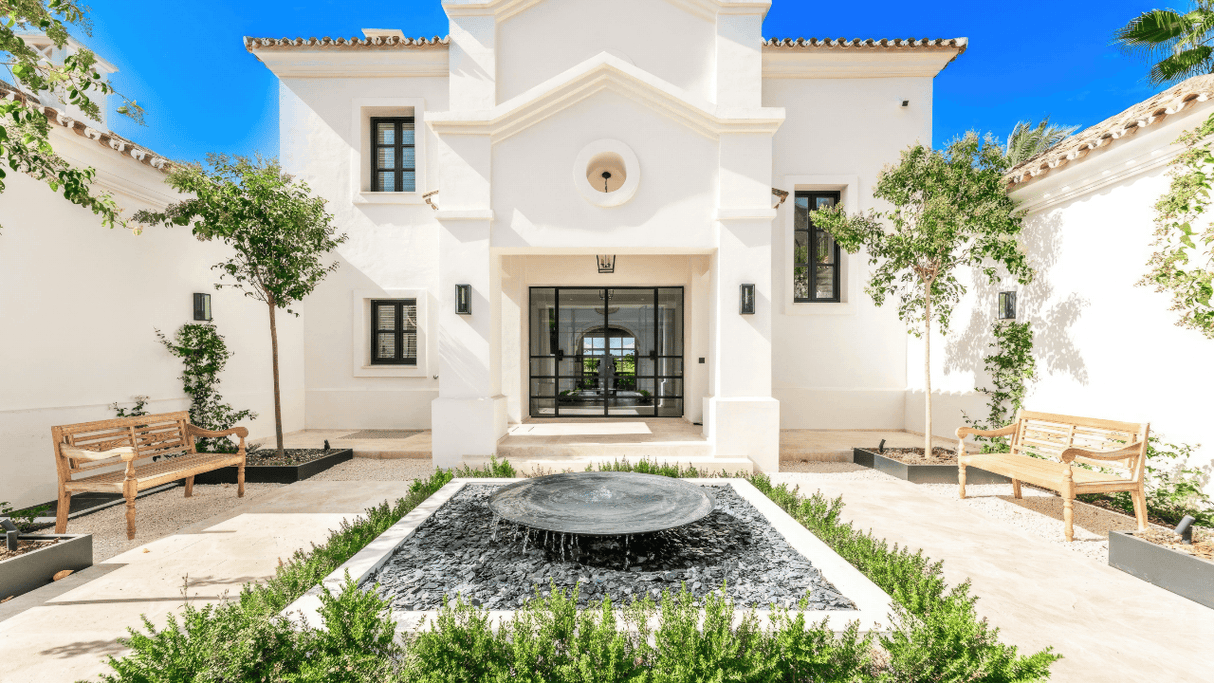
66, 637
413, 446
1108, 625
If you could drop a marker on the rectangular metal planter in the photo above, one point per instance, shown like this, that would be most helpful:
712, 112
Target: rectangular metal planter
924, 474
24, 573
276, 474
1172, 570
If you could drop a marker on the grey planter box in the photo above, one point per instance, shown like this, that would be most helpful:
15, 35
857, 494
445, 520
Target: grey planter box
923, 474
276, 474
1181, 573
24, 573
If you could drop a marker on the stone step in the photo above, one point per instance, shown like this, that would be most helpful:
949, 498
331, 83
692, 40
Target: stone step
516, 447
795, 454
555, 464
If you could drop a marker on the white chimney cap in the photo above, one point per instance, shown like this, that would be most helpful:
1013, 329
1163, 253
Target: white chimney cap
383, 33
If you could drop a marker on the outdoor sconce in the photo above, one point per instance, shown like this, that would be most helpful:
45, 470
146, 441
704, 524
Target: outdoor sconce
202, 307
747, 303
606, 263
463, 299
1007, 306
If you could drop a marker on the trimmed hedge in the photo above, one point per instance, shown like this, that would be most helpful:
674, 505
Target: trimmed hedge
936, 635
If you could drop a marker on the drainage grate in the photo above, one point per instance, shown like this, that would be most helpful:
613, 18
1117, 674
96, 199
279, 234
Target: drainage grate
383, 434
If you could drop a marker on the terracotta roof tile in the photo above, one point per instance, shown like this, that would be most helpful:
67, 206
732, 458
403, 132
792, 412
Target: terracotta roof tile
105, 138
374, 43
811, 44
1114, 128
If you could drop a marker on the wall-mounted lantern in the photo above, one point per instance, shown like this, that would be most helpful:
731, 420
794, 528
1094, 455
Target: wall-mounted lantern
1007, 305
606, 263
463, 299
746, 304
202, 307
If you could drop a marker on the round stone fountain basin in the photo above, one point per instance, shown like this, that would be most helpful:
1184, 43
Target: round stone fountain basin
602, 503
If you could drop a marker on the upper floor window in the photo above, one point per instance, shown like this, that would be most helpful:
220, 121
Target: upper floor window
394, 332
393, 162
815, 254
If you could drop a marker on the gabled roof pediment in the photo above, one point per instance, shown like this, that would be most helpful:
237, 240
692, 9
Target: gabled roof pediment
504, 9
599, 73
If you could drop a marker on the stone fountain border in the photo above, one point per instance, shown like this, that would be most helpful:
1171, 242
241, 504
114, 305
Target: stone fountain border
873, 605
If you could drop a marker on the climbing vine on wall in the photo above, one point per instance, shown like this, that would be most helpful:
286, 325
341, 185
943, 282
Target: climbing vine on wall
1012, 369
1183, 263
204, 353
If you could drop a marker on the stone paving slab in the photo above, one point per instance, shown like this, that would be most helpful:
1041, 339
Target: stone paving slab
65, 636
1107, 624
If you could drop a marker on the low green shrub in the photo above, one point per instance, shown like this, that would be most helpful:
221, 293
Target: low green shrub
936, 635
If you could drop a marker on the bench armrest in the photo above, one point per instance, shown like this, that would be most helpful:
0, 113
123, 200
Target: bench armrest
125, 452
241, 432
962, 432
1070, 454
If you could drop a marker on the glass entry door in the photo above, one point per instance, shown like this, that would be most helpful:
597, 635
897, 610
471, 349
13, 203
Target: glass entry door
606, 352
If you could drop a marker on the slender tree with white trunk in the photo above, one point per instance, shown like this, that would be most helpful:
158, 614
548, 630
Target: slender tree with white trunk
279, 232
950, 211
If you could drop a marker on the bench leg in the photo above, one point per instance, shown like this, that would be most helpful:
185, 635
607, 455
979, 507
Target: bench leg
961, 479
1140, 508
65, 502
1016, 488
1068, 518
189, 486
240, 480
129, 493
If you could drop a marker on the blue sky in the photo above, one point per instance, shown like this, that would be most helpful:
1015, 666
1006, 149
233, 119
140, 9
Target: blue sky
185, 63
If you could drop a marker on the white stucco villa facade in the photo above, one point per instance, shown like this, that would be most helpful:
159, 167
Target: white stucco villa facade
493, 277
513, 120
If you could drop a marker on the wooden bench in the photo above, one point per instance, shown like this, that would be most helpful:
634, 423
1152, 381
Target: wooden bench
1045, 445
131, 443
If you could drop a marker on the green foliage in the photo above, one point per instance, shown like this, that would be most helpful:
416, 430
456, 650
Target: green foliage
279, 233
1027, 141
140, 403
1174, 487
24, 519
204, 353
936, 635
1177, 43
950, 211
24, 131
1183, 263
1012, 367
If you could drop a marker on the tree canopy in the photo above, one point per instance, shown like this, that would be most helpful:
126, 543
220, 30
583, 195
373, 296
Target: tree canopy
280, 234
950, 211
1027, 141
24, 131
1177, 43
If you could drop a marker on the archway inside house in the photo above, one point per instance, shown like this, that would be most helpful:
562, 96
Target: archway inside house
606, 352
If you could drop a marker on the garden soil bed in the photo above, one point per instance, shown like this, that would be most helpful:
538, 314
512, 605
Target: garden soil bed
1156, 556
910, 465
296, 465
36, 567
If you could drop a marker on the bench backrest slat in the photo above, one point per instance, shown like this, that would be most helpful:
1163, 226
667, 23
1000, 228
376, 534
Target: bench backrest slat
1047, 435
149, 435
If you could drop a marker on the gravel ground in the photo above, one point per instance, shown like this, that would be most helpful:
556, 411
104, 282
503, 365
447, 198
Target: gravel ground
1040, 514
828, 470
158, 515
461, 549
375, 469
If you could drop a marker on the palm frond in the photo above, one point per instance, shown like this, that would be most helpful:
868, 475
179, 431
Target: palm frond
1152, 33
1027, 141
1185, 64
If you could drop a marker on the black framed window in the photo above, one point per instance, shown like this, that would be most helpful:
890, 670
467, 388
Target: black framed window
815, 253
394, 332
393, 162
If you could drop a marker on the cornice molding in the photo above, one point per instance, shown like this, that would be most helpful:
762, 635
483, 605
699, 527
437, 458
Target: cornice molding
328, 63
855, 63
605, 72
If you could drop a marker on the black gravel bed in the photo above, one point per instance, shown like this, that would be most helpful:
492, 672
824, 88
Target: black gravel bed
462, 549
291, 456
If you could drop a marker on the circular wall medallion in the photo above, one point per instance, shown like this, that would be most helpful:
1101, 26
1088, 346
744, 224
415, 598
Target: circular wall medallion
606, 173
602, 503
